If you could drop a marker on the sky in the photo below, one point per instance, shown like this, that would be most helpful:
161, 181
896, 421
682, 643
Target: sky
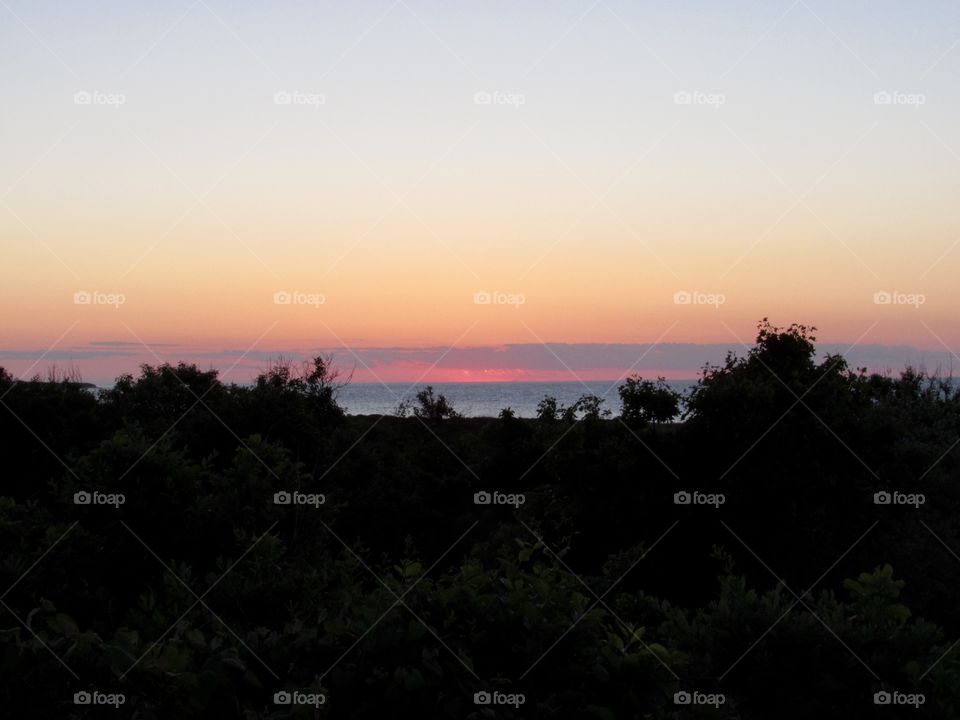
468, 191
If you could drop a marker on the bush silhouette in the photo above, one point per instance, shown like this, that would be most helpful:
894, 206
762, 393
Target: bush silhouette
598, 596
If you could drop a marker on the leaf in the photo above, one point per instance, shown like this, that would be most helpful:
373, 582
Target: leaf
232, 661
63, 624
659, 650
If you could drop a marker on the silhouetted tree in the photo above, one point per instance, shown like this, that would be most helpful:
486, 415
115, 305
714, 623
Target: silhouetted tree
643, 401
429, 407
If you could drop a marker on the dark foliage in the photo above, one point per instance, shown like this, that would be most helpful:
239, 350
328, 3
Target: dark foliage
597, 565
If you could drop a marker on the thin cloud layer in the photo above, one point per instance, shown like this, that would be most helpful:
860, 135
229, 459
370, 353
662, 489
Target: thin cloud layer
101, 362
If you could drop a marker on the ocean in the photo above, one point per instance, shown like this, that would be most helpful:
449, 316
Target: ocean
484, 399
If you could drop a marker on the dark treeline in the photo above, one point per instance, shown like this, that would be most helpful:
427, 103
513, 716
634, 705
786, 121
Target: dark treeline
200, 547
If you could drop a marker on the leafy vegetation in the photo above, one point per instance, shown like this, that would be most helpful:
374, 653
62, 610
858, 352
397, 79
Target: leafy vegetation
200, 547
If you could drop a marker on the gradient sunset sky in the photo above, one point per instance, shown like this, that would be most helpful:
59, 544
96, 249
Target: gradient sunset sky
619, 179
